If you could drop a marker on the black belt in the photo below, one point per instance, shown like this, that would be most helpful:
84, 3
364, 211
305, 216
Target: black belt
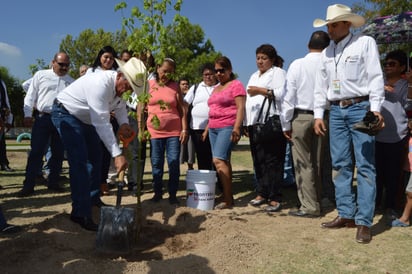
59, 104
350, 101
303, 111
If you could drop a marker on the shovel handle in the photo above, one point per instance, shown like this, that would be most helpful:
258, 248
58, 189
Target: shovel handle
120, 176
120, 186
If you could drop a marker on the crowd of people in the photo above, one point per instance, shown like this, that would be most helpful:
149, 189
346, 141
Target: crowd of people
314, 106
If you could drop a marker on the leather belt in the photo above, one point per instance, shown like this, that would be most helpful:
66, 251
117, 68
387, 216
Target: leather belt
303, 111
350, 101
59, 104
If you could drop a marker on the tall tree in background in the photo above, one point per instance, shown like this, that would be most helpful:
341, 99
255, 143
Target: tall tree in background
16, 95
179, 39
375, 8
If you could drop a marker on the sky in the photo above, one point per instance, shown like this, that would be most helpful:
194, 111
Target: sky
32, 30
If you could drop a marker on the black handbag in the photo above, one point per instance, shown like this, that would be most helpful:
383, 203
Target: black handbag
267, 130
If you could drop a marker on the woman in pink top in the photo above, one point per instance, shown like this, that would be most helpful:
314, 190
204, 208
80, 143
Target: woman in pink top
167, 126
226, 112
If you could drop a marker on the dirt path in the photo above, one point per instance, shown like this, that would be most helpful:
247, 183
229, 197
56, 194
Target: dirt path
186, 240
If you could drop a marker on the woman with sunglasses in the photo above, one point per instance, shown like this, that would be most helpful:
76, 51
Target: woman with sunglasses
391, 140
226, 112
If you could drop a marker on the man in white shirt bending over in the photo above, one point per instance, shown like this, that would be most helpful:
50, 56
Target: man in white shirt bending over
81, 114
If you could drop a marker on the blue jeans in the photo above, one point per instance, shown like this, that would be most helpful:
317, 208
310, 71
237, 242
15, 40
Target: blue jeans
43, 130
220, 142
85, 159
171, 146
343, 142
289, 171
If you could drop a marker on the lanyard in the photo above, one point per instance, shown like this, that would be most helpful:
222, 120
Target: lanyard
334, 55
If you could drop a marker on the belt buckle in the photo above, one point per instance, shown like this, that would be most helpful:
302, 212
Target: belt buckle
342, 104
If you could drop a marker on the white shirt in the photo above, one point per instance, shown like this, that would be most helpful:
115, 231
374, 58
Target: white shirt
300, 86
9, 118
90, 99
45, 86
274, 78
200, 110
358, 70
26, 84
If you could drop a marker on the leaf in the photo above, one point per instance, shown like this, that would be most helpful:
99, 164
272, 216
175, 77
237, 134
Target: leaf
155, 122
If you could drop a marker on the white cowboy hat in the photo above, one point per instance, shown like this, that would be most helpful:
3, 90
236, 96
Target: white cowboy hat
338, 13
135, 72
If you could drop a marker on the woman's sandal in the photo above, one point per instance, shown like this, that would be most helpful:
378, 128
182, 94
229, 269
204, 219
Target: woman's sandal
223, 205
257, 202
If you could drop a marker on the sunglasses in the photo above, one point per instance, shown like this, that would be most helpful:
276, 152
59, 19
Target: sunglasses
389, 64
222, 70
63, 64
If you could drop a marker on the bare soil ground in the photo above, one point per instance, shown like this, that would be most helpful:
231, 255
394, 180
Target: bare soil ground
179, 239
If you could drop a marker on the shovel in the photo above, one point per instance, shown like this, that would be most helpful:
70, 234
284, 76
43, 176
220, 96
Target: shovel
117, 227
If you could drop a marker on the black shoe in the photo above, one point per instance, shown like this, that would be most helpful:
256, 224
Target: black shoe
10, 229
55, 188
25, 192
301, 213
99, 203
173, 200
131, 187
85, 222
156, 198
40, 180
6, 168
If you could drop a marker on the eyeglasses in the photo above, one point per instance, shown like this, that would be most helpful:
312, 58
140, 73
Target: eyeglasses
222, 70
389, 64
63, 64
207, 74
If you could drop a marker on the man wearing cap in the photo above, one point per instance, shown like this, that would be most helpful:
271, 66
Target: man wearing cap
350, 80
81, 114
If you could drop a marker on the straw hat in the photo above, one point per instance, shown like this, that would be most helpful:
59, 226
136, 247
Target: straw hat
135, 72
338, 13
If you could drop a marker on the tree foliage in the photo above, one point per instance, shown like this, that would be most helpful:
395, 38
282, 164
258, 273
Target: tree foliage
40, 64
372, 9
375, 8
179, 39
16, 95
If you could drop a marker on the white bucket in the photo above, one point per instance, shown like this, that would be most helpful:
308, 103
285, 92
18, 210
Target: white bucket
200, 189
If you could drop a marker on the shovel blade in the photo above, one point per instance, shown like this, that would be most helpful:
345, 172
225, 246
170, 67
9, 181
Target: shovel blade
117, 230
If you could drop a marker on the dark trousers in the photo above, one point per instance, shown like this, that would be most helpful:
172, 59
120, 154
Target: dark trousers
389, 165
43, 132
203, 152
268, 161
3, 154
